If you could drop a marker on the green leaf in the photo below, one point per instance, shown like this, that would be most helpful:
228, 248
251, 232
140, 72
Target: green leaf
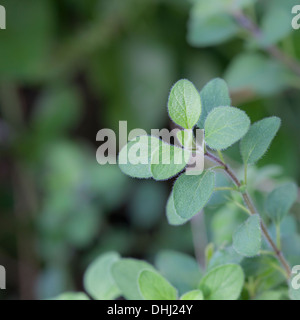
185, 138
153, 286
247, 237
173, 218
280, 201
258, 139
184, 104
276, 25
223, 283
213, 30
135, 157
256, 73
72, 296
224, 256
224, 126
193, 295
167, 161
191, 193
214, 94
126, 273
180, 269
98, 280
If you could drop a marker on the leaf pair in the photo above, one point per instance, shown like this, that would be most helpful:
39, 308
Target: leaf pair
109, 277
150, 157
226, 125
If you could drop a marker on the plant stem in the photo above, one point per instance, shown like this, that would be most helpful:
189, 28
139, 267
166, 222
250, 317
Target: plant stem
274, 51
246, 174
278, 240
252, 209
242, 207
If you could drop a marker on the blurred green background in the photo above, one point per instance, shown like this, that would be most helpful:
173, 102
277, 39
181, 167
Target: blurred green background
71, 67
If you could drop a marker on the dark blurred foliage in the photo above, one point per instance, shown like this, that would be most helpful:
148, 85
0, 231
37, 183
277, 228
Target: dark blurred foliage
69, 68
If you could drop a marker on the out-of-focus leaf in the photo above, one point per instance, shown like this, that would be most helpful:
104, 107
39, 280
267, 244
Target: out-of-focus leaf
180, 269
247, 237
257, 73
280, 201
276, 25
224, 256
98, 279
126, 273
211, 22
206, 31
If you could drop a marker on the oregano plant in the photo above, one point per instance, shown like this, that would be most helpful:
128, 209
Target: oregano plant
253, 265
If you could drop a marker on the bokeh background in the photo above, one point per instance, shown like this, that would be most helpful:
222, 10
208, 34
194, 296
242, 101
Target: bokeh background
71, 67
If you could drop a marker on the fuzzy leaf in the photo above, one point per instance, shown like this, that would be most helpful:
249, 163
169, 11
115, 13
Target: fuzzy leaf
173, 218
185, 138
126, 273
224, 126
223, 283
192, 192
258, 139
193, 295
280, 201
247, 237
184, 104
153, 286
98, 280
167, 161
210, 24
214, 94
135, 158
